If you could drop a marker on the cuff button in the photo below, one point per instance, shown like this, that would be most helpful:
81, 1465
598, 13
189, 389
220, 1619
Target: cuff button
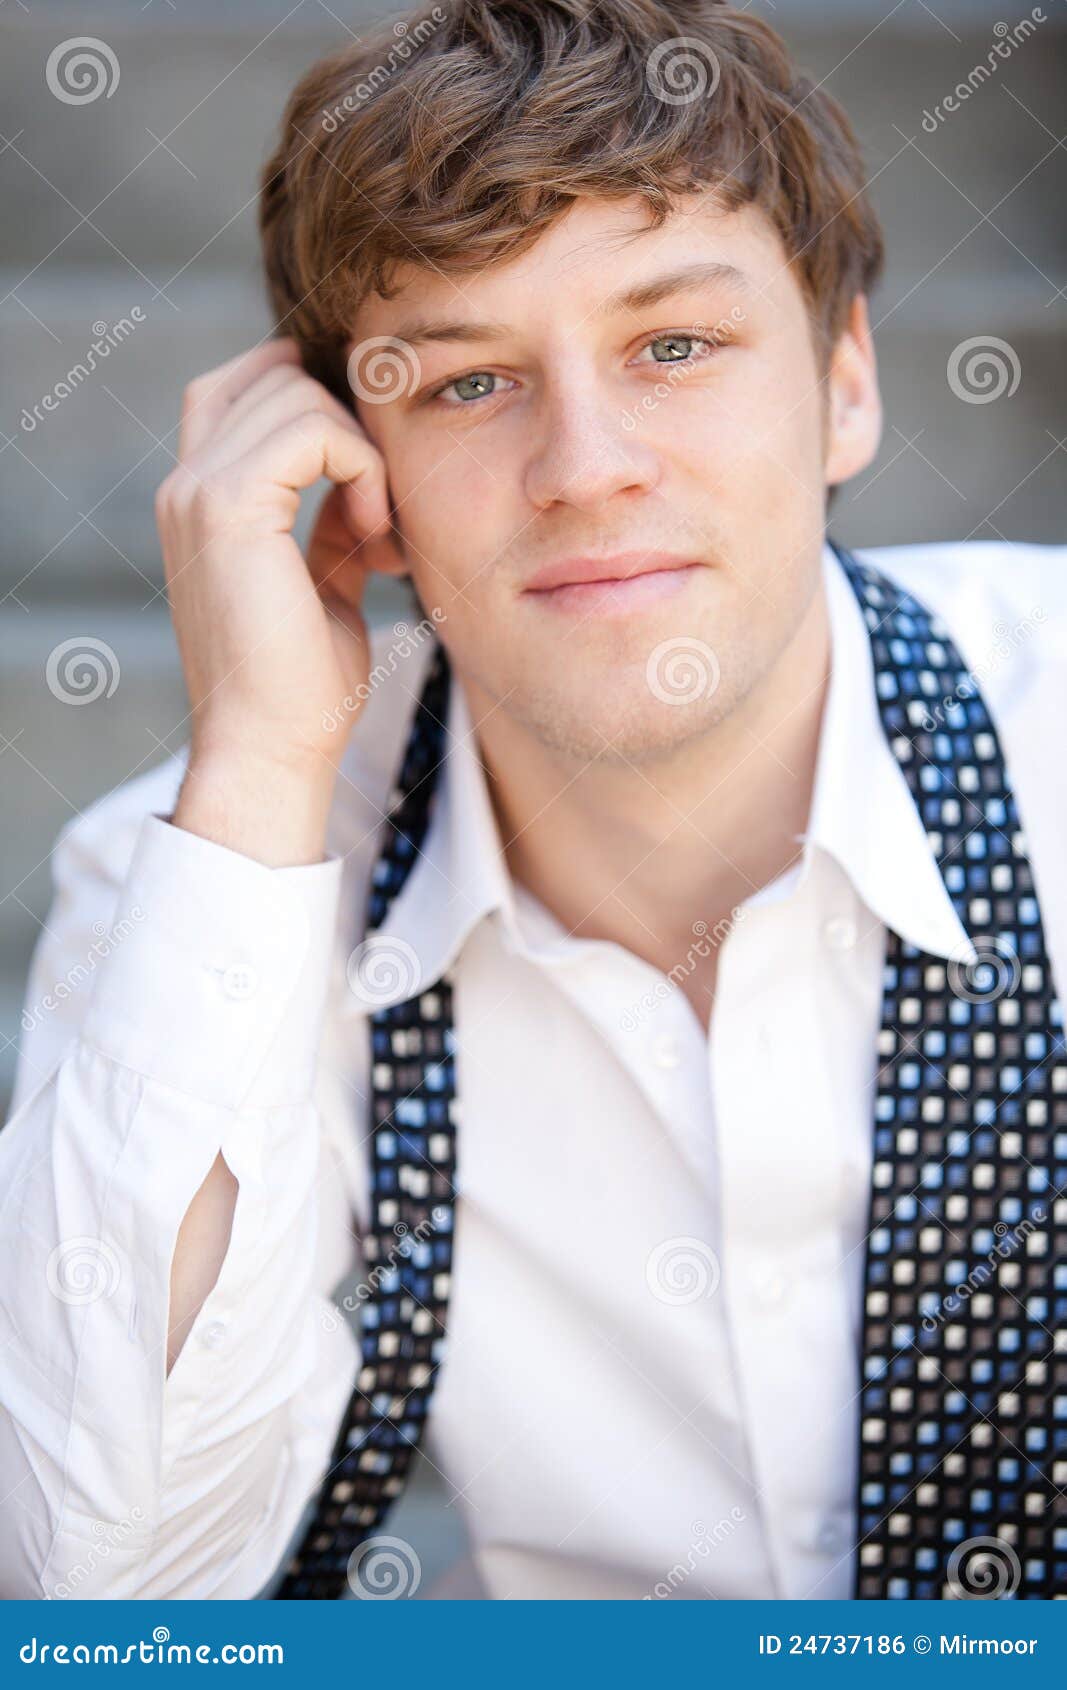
240, 980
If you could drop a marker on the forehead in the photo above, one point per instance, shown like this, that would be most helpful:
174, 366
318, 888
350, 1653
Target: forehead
597, 249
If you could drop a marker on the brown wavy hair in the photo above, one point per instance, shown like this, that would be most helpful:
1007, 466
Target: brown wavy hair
456, 136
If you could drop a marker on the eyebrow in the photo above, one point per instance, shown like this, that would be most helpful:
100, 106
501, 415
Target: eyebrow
418, 331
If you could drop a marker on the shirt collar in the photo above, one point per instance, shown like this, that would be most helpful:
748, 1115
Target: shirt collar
862, 815
862, 811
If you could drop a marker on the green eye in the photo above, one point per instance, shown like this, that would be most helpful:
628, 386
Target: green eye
680, 348
477, 384
673, 342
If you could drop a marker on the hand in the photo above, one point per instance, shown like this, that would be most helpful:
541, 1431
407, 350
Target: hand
274, 648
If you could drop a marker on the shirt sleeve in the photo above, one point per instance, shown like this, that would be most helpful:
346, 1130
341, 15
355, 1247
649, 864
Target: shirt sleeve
191, 993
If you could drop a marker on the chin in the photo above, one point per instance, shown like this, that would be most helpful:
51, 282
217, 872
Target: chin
614, 724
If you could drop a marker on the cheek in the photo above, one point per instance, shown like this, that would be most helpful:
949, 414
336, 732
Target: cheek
761, 443
440, 498
451, 518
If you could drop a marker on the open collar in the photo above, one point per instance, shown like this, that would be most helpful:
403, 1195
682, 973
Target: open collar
862, 814
862, 811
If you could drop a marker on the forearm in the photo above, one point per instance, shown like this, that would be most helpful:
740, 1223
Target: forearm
277, 816
182, 1107
203, 1240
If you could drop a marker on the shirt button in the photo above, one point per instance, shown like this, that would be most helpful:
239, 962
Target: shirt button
771, 1287
666, 1052
240, 980
213, 1335
840, 933
832, 1538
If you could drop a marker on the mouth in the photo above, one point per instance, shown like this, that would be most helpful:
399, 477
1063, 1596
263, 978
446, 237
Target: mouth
611, 585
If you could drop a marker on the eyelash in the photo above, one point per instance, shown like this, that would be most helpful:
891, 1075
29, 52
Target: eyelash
665, 334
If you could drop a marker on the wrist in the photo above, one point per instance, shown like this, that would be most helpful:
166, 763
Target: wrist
273, 808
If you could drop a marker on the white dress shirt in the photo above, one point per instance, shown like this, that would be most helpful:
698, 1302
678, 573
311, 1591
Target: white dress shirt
650, 1385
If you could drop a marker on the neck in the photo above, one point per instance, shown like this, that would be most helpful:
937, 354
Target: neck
639, 856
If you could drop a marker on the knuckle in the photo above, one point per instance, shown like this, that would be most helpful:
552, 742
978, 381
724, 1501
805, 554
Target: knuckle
307, 393
306, 425
197, 389
214, 498
202, 501
173, 489
168, 493
307, 387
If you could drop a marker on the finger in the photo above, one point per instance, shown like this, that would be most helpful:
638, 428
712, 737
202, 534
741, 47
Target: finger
333, 550
207, 396
251, 421
273, 381
338, 559
316, 444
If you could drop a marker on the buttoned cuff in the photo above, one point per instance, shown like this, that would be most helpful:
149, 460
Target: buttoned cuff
216, 969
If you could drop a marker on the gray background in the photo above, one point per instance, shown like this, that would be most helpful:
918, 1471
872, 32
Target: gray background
147, 199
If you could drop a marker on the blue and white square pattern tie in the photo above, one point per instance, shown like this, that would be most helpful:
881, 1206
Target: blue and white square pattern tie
963, 1424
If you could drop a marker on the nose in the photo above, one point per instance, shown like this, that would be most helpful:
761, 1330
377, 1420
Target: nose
583, 453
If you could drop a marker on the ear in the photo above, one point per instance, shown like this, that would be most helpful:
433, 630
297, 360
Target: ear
854, 423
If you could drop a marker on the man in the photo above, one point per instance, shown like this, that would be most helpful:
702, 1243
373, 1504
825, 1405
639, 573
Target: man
632, 972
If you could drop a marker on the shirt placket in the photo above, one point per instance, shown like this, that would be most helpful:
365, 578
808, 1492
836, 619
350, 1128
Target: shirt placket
784, 1106
653, 1032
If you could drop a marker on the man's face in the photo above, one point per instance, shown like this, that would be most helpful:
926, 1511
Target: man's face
572, 413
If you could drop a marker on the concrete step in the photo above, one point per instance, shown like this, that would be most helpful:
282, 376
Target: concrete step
164, 171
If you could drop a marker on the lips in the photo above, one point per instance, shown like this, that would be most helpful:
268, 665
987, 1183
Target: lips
615, 596
621, 566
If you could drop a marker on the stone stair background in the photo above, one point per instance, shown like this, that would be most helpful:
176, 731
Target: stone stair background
98, 219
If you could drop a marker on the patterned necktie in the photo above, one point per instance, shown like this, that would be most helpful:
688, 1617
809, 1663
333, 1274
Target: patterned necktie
963, 1411
407, 1249
963, 1424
